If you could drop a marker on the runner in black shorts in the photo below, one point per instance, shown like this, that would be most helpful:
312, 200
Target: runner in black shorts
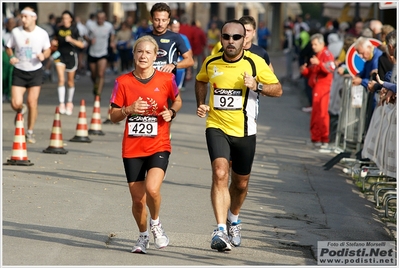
27, 79
234, 77
27, 48
69, 60
92, 59
69, 40
136, 168
240, 150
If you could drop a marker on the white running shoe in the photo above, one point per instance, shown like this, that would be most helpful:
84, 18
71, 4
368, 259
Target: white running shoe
234, 232
69, 108
30, 138
142, 244
220, 240
61, 108
161, 240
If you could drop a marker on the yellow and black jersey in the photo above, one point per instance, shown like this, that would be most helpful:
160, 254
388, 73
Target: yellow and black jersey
233, 106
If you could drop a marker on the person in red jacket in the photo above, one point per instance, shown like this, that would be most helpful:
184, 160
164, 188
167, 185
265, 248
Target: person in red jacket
320, 75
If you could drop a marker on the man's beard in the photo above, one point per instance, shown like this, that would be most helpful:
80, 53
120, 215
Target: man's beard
232, 51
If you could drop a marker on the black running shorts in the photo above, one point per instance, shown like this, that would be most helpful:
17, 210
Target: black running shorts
136, 168
27, 79
91, 59
69, 59
240, 150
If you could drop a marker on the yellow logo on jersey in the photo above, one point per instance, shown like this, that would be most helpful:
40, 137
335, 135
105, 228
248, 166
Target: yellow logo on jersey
64, 33
164, 41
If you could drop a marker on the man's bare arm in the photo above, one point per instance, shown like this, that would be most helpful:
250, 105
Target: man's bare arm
272, 90
201, 90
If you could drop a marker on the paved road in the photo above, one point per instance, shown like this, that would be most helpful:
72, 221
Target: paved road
75, 209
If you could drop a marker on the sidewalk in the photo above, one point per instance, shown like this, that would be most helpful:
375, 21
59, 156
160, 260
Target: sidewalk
75, 209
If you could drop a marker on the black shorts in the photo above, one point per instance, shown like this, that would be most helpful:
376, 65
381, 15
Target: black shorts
91, 59
136, 168
27, 79
240, 150
70, 60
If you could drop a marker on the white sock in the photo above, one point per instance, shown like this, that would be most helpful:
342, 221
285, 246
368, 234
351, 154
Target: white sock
144, 233
222, 226
232, 218
30, 132
71, 92
154, 222
61, 94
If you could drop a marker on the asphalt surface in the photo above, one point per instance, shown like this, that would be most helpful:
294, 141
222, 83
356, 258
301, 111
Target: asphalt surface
75, 208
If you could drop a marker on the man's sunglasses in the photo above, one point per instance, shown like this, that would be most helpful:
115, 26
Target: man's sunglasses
234, 36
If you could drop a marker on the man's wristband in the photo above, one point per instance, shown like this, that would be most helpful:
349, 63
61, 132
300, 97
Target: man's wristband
12, 56
173, 114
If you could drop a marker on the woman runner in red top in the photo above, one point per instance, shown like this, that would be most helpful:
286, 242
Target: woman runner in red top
142, 97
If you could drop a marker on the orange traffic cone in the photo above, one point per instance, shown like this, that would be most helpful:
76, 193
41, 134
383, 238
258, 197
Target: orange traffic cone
56, 144
81, 128
95, 124
19, 155
108, 120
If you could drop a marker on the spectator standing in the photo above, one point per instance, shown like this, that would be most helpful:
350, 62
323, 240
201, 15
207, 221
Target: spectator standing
213, 36
143, 29
198, 45
100, 35
146, 155
298, 24
301, 43
335, 46
68, 40
263, 35
288, 48
376, 27
187, 30
385, 63
357, 27
370, 54
305, 54
31, 46
215, 19
124, 43
231, 126
320, 75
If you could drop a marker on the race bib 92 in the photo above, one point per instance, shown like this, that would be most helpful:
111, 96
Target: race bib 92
227, 99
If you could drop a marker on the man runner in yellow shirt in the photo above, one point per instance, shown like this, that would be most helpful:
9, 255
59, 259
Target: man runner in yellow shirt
236, 78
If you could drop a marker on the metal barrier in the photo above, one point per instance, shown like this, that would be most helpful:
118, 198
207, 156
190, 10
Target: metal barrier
351, 121
352, 117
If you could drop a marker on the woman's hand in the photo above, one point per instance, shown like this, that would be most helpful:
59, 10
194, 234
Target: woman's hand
138, 107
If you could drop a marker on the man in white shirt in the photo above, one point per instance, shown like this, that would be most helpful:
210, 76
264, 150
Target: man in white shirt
97, 37
32, 46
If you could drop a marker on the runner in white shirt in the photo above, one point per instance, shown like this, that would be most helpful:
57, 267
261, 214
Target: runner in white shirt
32, 46
97, 37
